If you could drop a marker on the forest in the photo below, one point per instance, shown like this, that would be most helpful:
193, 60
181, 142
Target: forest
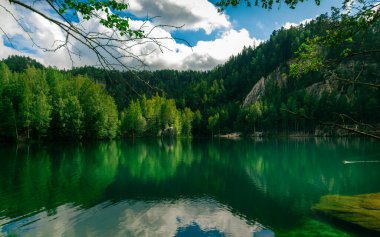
53, 105
88, 102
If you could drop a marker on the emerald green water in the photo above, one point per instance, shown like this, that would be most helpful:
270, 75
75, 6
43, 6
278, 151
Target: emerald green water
183, 188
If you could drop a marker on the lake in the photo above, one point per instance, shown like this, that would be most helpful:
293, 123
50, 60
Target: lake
182, 188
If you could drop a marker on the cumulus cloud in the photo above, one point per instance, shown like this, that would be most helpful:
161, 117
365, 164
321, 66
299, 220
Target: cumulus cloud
192, 14
205, 54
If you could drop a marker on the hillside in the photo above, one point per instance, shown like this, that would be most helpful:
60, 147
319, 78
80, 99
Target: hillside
253, 90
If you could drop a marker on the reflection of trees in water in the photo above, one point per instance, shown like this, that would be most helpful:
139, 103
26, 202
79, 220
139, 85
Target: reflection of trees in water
253, 179
43, 177
275, 174
296, 174
47, 177
156, 161
88, 170
301, 168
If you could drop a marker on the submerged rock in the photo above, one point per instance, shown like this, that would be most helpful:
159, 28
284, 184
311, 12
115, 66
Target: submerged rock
313, 227
362, 210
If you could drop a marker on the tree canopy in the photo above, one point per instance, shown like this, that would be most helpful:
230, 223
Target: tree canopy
45, 103
346, 25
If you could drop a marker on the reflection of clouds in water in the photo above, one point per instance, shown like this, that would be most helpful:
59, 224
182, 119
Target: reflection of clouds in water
164, 219
47, 223
135, 218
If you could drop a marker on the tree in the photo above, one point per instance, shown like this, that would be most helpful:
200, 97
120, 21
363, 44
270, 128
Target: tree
41, 114
5, 74
197, 121
8, 123
26, 109
213, 123
132, 120
254, 114
168, 113
187, 117
70, 118
108, 122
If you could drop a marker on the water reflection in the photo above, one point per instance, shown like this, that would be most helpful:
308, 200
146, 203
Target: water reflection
199, 217
156, 161
44, 177
181, 188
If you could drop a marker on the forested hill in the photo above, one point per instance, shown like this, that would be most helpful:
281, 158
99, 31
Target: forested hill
262, 73
220, 93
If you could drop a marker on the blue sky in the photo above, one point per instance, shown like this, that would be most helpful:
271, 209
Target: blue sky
262, 22
213, 37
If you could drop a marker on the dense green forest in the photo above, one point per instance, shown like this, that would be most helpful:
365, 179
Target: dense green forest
43, 102
49, 104
219, 94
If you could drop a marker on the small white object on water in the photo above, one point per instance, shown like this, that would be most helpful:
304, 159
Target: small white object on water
360, 161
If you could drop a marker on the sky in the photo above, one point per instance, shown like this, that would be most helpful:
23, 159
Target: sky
206, 38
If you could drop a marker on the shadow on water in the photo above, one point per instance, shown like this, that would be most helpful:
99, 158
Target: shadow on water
181, 188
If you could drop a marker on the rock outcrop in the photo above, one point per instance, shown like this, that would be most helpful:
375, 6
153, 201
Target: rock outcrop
326, 85
277, 78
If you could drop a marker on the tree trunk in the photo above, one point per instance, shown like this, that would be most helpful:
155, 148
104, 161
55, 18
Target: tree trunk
16, 130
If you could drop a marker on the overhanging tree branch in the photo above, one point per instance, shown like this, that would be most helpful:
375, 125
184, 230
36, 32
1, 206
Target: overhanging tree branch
330, 124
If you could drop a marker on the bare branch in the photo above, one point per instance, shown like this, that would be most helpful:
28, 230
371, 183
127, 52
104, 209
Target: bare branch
330, 124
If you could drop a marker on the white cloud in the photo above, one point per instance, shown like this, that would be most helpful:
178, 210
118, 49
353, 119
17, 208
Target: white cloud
288, 25
205, 54
192, 14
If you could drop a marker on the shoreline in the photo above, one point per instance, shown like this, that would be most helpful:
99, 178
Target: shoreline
231, 136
